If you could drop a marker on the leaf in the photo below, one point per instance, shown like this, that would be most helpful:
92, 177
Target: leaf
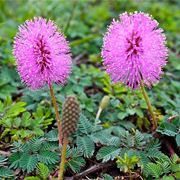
28, 162
26, 119
168, 178
101, 137
108, 153
14, 160
43, 170
177, 175
15, 109
154, 169
48, 157
84, 125
6, 173
122, 115
76, 163
167, 129
86, 144
107, 177
52, 135
178, 140
35, 144
3, 160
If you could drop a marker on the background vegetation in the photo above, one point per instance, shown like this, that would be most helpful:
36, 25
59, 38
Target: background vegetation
28, 134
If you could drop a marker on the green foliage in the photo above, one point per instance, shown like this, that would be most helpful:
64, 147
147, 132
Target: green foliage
126, 163
74, 159
127, 110
76, 163
5, 171
87, 145
41, 152
171, 129
84, 125
43, 170
26, 156
20, 124
107, 153
135, 143
8, 80
164, 167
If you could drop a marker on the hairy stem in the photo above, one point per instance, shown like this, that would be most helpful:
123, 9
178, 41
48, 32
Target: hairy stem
56, 112
154, 123
63, 158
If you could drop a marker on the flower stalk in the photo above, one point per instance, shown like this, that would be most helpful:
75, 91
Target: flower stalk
154, 122
56, 112
63, 158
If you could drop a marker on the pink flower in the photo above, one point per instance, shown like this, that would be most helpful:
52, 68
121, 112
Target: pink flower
134, 50
42, 53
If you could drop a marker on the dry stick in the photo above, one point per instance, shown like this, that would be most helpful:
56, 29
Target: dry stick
154, 123
57, 113
93, 169
63, 158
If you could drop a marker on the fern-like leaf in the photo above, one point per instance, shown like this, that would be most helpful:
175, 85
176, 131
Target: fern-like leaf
48, 157
52, 135
35, 144
84, 125
76, 163
14, 160
28, 162
108, 153
2, 160
154, 169
43, 170
86, 144
6, 173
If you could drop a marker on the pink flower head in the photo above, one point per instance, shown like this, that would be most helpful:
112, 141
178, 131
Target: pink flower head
134, 50
42, 53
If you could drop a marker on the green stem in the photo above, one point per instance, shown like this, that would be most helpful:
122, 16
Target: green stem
56, 112
63, 158
154, 123
84, 40
70, 17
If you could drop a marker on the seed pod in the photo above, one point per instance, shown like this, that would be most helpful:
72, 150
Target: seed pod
104, 102
70, 116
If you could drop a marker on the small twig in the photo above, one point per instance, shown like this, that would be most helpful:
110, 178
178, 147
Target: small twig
170, 119
92, 169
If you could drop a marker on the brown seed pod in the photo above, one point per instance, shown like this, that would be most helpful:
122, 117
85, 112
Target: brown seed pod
70, 116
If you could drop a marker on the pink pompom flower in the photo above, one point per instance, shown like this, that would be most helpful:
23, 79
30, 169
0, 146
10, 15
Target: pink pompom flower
42, 53
134, 50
